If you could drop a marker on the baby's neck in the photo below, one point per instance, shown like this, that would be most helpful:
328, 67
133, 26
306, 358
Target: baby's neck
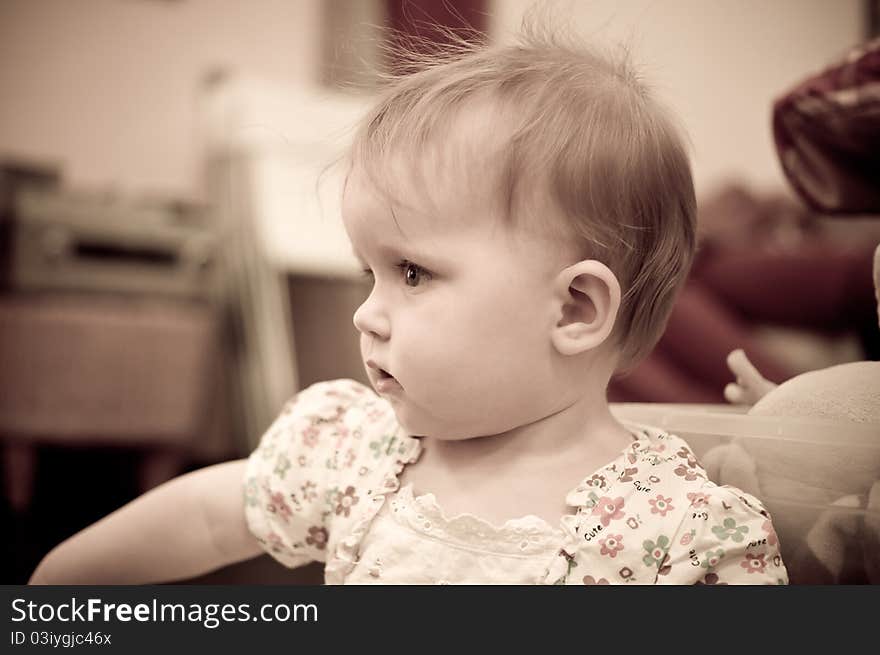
527, 470
584, 433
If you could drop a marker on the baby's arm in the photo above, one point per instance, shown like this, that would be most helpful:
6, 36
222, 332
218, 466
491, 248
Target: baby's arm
188, 526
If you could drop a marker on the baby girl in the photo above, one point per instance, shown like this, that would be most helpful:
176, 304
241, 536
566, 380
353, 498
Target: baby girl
526, 216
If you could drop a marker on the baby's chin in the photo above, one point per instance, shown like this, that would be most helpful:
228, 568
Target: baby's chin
421, 428
430, 430
409, 411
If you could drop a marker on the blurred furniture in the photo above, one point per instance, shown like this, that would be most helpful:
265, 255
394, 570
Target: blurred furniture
111, 333
90, 370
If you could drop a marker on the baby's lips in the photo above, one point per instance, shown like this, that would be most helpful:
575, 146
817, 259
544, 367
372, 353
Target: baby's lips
378, 369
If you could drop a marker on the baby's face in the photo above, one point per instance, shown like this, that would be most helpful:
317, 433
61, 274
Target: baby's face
460, 312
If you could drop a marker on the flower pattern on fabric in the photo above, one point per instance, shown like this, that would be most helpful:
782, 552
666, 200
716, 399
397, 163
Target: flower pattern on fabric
345, 501
310, 436
309, 491
627, 475
710, 579
754, 563
597, 481
712, 558
321, 484
611, 545
281, 466
661, 505
697, 499
382, 446
275, 543
656, 551
685, 453
590, 580
609, 510
687, 472
317, 537
730, 530
278, 506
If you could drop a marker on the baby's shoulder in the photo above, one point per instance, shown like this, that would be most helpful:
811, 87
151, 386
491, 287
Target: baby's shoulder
668, 462
654, 516
336, 430
659, 486
333, 413
658, 461
307, 484
329, 399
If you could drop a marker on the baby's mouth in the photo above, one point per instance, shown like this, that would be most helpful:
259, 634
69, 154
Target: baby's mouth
385, 382
381, 376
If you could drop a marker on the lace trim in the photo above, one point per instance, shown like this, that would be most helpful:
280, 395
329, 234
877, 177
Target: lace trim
525, 536
520, 537
346, 555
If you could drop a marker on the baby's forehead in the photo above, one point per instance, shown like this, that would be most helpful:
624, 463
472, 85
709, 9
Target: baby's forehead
461, 151
406, 200
458, 173
425, 187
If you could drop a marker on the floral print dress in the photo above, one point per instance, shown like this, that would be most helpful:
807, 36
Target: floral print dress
323, 486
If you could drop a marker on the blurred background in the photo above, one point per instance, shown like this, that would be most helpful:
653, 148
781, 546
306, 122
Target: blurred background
172, 262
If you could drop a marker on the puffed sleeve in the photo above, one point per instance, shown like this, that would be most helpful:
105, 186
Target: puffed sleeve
291, 483
725, 537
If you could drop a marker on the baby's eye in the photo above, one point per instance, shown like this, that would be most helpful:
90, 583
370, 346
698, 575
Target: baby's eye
412, 273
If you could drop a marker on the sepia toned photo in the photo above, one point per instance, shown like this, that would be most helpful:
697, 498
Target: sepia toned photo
440, 292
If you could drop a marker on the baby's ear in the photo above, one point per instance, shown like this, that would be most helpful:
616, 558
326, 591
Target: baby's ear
588, 295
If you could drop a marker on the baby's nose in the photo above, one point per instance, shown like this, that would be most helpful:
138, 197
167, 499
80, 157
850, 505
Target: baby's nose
370, 320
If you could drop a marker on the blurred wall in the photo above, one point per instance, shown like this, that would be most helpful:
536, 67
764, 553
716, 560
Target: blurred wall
719, 64
109, 87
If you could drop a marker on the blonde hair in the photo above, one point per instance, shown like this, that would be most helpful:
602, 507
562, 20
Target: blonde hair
610, 156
